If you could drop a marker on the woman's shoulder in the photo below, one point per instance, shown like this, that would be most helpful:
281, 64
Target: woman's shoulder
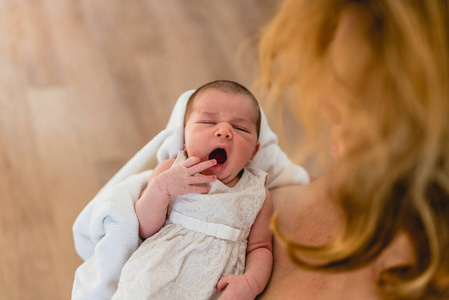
308, 216
307, 212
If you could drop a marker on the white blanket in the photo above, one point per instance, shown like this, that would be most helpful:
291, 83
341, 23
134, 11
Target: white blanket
106, 232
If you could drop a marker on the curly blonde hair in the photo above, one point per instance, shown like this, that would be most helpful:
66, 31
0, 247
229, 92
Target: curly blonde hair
397, 179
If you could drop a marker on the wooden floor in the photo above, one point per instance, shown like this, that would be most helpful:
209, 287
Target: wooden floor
83, 85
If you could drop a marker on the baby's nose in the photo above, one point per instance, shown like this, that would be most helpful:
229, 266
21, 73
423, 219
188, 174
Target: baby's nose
223, 131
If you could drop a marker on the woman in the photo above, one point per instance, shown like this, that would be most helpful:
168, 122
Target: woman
377, 72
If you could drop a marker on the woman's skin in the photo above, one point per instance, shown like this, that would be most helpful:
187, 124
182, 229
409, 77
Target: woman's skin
311, 218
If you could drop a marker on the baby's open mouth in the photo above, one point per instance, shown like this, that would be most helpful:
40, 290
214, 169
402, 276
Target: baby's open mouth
219, 155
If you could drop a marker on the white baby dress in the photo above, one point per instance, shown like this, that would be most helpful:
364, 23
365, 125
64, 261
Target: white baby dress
203, 240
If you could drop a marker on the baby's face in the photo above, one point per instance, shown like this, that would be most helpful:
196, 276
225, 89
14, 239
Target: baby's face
222, 126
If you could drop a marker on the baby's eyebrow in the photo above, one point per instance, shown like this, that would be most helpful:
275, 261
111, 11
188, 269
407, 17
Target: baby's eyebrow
207, 114
242, 120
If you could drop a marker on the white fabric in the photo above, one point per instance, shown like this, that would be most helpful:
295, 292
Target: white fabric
108, 226
186, 263
106, 231
219, 231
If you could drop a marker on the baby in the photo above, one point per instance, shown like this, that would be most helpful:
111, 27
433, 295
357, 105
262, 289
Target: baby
205, 216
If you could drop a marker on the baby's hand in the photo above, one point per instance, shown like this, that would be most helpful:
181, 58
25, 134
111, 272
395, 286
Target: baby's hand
186, 178
235, 287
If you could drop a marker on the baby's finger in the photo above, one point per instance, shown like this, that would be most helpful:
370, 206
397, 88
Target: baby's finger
199, 179
197, 189
197, 168
222, 284
193, 160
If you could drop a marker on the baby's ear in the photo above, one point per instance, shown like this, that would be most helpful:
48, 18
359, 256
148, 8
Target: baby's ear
256, 149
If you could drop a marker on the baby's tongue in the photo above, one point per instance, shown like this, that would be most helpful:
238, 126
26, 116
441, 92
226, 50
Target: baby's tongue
219, 155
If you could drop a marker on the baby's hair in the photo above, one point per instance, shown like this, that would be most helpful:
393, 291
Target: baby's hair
228, 87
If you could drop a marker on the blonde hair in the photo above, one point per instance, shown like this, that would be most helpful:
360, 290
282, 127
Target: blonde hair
398, 178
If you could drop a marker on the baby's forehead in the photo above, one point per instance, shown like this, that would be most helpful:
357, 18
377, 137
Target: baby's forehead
202, 103
246, 103
241, 113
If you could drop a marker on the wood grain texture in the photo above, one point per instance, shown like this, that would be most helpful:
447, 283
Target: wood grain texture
83, 86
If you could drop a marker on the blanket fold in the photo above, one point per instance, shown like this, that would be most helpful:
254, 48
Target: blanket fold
108, 227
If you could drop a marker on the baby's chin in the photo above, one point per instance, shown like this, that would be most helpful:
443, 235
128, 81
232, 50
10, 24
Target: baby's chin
217, 170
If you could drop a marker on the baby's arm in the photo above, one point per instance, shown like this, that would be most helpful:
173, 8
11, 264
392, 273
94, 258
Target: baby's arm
259, 260
151, 207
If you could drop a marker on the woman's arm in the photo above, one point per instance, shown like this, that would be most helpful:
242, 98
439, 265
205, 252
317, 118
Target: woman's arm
259, 259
